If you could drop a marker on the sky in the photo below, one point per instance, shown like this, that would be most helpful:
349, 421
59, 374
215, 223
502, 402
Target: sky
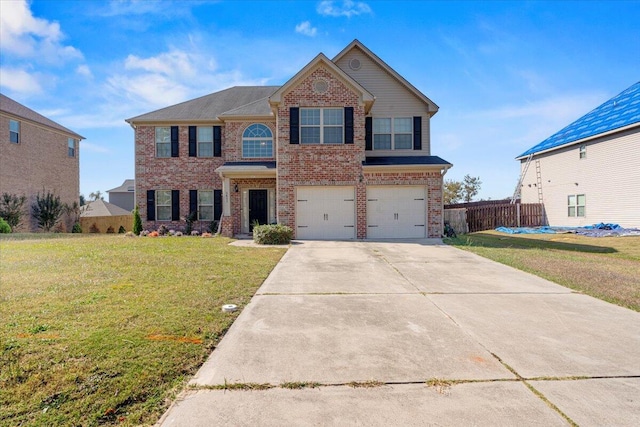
505, 74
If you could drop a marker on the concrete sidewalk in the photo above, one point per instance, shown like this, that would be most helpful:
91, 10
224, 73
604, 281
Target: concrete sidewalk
440, 336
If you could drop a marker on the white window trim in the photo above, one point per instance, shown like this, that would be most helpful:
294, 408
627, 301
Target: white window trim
155, 138
198, 142
16, 132
200, 205
322, 125
393, 134
582, 150
257, 139
170, 205
575, 206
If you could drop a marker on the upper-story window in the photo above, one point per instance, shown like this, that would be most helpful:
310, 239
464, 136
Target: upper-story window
321, 125
583, 151
257, 141
205, 141
393, 134
71, 147
14, 131
163, 141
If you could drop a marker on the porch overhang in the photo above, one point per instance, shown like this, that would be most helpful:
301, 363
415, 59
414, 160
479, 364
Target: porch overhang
405, 164
247, 170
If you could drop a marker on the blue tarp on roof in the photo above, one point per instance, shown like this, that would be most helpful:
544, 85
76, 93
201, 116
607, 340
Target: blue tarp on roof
620, 111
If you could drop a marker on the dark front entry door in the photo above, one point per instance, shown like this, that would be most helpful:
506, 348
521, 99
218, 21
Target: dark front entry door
257, 207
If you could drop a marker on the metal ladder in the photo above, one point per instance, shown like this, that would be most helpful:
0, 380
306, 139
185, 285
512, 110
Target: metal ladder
516, 193
539, 180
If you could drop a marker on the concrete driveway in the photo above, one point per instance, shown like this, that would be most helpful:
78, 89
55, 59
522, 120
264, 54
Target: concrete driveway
440, 336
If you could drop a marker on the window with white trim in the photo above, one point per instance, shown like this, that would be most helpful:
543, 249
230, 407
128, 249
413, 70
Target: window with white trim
393, 133
14, 131
71, 147
163, 205
205, 141
322, 125
576, 205
205, 205
163, 141
583, 151
257, 141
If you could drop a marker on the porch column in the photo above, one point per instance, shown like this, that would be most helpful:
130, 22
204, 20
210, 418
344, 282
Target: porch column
226, 198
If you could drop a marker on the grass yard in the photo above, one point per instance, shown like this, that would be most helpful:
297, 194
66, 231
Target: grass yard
604, 267
106, 329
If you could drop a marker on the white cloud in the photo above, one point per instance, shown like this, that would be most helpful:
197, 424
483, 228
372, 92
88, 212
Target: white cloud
17, 80
348, 8
94, 148
84, 70
306, 29
25, 36
174, 63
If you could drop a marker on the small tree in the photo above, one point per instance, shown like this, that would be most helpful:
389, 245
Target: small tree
83, 201
452, 192
470, 187
11, 209
46, 210
137, 221
96, 195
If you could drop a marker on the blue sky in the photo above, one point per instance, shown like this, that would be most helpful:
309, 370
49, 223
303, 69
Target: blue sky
506, 75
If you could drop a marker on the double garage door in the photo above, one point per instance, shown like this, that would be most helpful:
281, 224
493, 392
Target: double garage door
330, 212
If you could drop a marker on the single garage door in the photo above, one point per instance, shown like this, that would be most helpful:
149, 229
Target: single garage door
396, 212
325, 213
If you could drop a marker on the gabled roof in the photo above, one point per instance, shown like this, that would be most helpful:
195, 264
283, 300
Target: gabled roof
357, 44
621, 111
102, 208
14, 108
127, 186
208, 107
365, 95
259, 108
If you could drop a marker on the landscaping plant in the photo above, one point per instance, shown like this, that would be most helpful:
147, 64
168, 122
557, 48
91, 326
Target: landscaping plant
137, 221
46, 210
11, 209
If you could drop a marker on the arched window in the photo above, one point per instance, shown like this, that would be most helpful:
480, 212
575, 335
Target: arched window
257, 141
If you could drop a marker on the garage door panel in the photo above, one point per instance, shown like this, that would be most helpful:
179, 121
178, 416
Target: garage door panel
396, 212
325, 213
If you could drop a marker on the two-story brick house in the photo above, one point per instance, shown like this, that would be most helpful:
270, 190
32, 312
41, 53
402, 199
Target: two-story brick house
340, 151
37, 155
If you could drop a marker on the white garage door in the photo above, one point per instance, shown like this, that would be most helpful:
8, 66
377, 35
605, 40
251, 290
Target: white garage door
396, 212
325, 213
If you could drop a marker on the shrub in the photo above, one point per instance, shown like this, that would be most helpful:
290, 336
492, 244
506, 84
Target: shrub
137, 221
144, 233
213, 226
4, 226
47, 210
11, 208
163, 230
94, 228
274, 234
76, 228
110, 230
189, 222
121, 230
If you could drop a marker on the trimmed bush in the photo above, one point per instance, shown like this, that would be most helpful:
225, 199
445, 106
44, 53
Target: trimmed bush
274, 234
121, 230
76, 228
137, 221
110, 230
4, 226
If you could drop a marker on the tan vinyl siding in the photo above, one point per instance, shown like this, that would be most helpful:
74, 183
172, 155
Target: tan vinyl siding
609, 177
393, 99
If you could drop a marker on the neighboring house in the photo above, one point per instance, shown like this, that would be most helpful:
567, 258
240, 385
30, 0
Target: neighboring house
588, 172
340, 151
37, 155
99, 216
123, 196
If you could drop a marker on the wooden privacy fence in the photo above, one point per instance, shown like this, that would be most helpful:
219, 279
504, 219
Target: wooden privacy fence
100, 224
480, 217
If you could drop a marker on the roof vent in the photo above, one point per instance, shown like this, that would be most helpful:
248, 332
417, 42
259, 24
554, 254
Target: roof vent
355, 64
320, 86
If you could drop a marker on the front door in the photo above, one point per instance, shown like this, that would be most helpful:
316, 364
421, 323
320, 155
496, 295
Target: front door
258, 207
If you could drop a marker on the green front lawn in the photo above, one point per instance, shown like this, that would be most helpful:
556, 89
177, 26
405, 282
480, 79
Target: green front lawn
107, 329
604, 267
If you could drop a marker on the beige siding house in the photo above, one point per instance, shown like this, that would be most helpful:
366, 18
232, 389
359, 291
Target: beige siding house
36, 155
589, 172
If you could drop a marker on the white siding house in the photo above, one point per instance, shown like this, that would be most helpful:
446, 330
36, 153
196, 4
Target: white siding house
589, 172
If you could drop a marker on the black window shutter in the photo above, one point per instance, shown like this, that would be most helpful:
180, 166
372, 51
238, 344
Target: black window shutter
193, 201
368, 133
294, 125
193, 141
417, 133
217, 141
348, 125
217, 204
174, 141
175, 205
151, 205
